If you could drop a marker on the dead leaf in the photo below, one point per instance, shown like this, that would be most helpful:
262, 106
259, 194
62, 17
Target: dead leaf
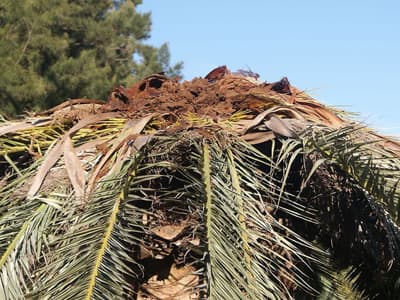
180, 285
128, 149
258, 137
74, 168
131, 128
54, 153
279, 126
71, 104
51, 158
15, 127
169, 232
248, 124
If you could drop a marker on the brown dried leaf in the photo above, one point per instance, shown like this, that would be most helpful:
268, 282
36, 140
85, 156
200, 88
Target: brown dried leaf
180, 285
258, 137
317, 112
169, 232
91, 145
54, 153
129, 149
248, 124
279, 126
74, 169
73, 103
51, 158
133, 127
15, 127
144, 252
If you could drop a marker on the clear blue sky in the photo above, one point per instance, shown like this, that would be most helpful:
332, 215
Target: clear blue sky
345, 53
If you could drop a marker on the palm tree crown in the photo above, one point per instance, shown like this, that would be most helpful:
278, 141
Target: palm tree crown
223, 187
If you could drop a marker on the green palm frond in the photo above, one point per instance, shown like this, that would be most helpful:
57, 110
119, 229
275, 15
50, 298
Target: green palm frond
25, 250
245, 241
358, 183
343, 287
20, 213
26, 228
94, 250
375, 170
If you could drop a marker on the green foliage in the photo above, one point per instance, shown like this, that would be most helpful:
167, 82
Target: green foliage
72, 49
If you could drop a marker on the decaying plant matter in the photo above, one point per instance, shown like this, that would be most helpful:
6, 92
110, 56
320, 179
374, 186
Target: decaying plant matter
223, 187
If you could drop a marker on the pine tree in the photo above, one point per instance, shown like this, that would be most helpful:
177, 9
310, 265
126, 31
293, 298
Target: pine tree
54, 50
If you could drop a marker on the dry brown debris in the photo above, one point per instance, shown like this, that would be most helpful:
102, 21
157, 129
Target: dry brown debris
217, 96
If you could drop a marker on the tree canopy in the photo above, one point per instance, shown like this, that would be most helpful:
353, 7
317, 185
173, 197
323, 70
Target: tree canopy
55, 50
223, 187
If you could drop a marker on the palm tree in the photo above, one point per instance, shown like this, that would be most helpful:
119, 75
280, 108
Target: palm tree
222, 187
